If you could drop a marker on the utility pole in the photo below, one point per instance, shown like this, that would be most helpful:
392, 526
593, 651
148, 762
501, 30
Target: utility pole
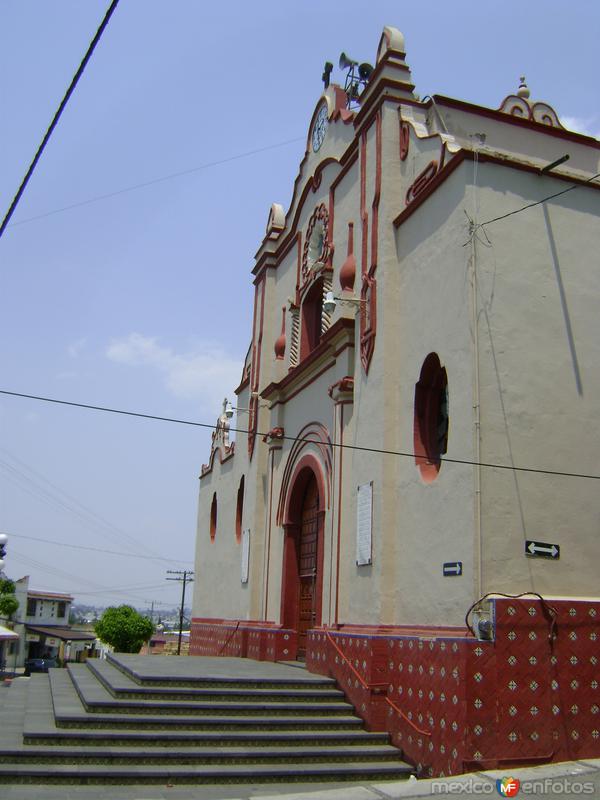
182, 575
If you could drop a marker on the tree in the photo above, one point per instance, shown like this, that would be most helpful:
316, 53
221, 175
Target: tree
8, 601
124, 629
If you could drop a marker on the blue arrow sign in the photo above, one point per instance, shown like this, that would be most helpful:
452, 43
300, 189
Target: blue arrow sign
452, 568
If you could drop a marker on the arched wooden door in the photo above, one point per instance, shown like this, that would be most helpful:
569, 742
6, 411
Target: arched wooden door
307, 563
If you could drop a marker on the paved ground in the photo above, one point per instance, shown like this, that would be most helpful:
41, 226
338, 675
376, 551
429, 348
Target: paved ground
190, 667
567, 780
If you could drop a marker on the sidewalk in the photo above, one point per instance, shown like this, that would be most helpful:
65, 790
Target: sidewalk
570, 779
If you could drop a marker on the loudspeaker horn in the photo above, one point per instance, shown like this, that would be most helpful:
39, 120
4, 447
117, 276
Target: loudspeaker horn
346, 61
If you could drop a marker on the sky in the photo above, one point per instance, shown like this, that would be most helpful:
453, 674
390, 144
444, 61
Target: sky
125, 274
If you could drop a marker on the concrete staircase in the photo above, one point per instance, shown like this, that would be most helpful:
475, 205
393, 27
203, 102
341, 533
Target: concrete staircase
158, 719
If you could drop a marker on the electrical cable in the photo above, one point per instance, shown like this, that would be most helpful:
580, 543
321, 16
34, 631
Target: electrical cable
154, 181
52, 496
549, 611
538, 202
100, 590
57, 115
94, 549
54, 570
355, 447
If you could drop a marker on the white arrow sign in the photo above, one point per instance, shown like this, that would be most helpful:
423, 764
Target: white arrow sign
542, 549
452, 568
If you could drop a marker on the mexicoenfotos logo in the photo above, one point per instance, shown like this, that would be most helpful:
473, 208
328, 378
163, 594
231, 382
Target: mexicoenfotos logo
508, 787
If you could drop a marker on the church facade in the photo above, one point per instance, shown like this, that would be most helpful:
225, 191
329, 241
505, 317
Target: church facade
411, 502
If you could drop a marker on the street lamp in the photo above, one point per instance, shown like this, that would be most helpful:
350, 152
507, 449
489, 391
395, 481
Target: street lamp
3, 541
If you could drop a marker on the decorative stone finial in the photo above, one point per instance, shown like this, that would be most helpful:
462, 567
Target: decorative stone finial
348, 270
523, 90
391, 39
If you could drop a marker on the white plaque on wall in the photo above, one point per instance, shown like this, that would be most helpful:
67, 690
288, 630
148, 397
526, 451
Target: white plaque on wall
364, 523
245, 554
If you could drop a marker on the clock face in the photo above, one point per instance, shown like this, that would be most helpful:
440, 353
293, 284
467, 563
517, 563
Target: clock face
320, 128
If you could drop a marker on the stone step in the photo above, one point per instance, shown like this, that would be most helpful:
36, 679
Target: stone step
70, 713
61, 737
251, 754
119, 684
96, 698
38, 727
215, 672
291, 771
75, 731
220, 723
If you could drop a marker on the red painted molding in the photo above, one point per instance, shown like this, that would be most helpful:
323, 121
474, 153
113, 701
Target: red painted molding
404, 139
314, 435
267, 568
433, 184
374, 104
507, 162
245, 382
255, 368
420, 183
368, 309
340, 450
275, 433
343, 385
319, 215
340, 111
467, 155
510, 119
342, 325
223, 457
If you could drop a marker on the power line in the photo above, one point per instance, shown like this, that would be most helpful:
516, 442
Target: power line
101, 591
55, 571
356, 447
94, 549
154, 181
538, 202
68, 503
58, 113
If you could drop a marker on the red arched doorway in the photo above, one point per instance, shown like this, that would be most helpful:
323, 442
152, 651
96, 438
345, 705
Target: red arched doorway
303, 560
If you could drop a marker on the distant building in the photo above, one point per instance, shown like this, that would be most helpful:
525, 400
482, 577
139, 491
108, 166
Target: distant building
419, 427
165, 643
42, 622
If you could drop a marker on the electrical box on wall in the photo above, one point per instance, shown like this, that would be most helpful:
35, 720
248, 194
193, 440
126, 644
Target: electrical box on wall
483, 621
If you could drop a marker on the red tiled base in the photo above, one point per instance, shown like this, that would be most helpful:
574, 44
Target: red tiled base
450, 702
244, 639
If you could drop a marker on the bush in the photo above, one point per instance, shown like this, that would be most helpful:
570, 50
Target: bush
8, 602
124, 628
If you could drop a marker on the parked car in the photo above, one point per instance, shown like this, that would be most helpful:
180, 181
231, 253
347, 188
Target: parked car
39, 665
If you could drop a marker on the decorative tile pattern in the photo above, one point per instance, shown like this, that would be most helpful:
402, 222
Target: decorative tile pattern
461, 704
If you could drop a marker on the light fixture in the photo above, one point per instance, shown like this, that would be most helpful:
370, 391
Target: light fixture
331, 301
228, 408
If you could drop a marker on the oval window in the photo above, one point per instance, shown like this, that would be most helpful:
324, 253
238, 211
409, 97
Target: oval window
213, 517
431, 418
239, 511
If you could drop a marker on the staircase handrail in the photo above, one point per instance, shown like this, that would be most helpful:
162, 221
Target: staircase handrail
355, 672
406, 719
366, 685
